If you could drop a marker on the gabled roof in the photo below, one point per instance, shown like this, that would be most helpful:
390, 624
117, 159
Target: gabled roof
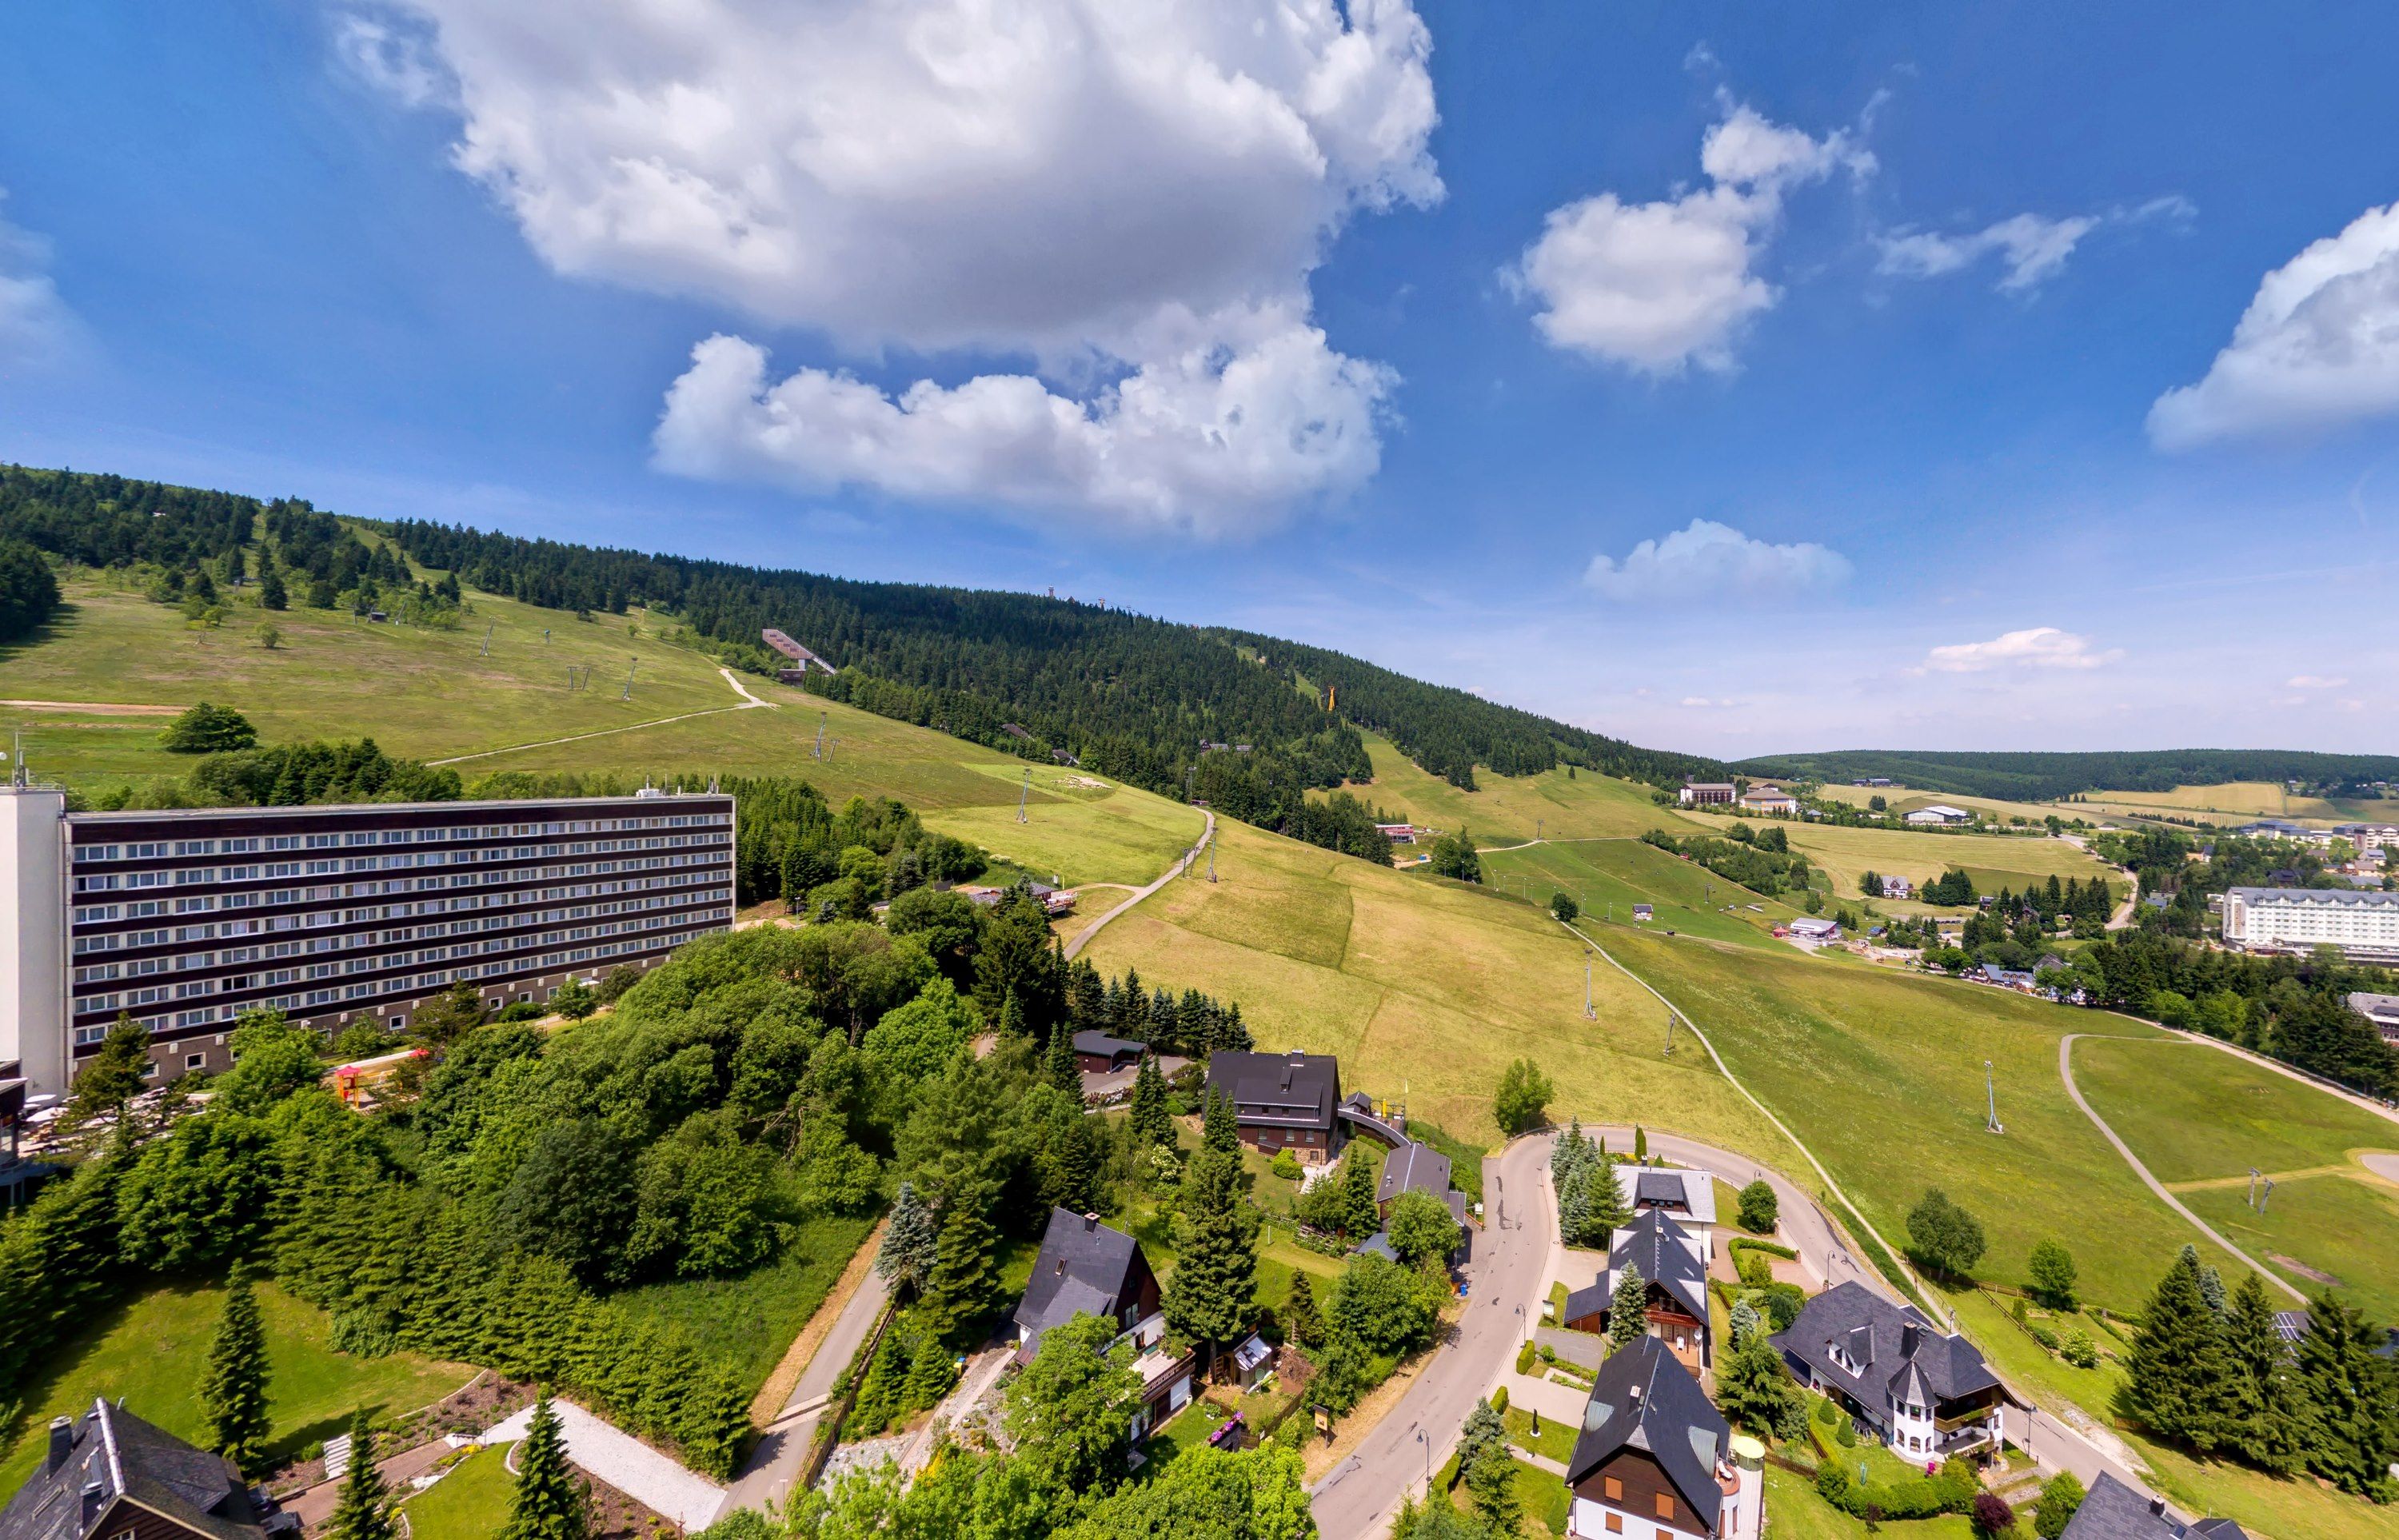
2114, 1511
1413, 1167
1101, 1042
1084, 1268
1644, 1399
1287, 1089
1661, 1249
1694, 1191
126, 1457
1893, 1343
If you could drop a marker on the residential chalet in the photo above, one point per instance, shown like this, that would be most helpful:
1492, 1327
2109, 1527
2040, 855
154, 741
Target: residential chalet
2380, 1009
1685, 1195
1674, 1265
1926, 1393
1087, 1268
1654, 1461
1770, 799
1097, 1053
2113, 1511
1898, 887
1706, 794
1281, 1100
108, 1473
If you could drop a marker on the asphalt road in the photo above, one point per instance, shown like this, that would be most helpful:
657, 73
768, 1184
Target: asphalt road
784, 1448
1357, 1497
1083, 937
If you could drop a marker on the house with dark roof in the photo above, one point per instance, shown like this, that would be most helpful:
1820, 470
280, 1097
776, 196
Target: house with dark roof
1926, 1393
1097, 1053
1687, 1195
2113, 1511
1674, 1267
1414, 1167
1281, 1100
108, 1473
1087, 1268
1654, 1458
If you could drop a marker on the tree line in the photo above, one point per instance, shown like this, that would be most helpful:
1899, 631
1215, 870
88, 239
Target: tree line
2048, 776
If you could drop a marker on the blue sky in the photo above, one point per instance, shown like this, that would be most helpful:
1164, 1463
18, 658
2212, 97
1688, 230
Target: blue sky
1727, 379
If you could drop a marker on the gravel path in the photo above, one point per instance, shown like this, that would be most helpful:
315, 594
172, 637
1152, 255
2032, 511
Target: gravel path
625, 1463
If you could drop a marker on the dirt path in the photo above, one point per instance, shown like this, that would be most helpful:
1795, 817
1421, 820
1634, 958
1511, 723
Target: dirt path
1083, 937
749, 703
97, 707
2065, 1072
2217, 1184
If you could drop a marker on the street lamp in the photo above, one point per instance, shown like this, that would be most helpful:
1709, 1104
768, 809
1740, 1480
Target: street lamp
1428, 1449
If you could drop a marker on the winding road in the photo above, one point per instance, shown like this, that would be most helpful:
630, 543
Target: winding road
1075, 947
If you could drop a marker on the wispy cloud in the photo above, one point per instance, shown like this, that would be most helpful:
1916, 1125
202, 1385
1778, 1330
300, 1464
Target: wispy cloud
35, 325
1706, 558
2031, 248
2313, 681
2035, 647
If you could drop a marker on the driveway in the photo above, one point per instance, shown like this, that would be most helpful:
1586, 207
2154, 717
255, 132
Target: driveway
775, 1463
624, 1462
1357, 1497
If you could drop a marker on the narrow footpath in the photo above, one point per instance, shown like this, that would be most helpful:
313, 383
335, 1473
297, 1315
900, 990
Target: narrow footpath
1075, 947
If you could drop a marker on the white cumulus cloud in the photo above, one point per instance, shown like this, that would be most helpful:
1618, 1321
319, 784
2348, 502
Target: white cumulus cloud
2035, 647
1101, 189
35, 324
1664, 285
1707, 559
2318, 347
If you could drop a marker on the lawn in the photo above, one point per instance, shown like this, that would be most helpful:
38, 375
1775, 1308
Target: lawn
1796, 1513
2241, 801
1426, 989
1508, 809
471, 1503
1555, 1439
2344, 1227
1882, 1074
1607, 877
152, 1349
747, 1322
1994, 861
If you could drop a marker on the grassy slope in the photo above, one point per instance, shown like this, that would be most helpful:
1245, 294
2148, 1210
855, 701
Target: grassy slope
471, 1503
1688, 898
1422, 987
1506, 809
1994, 860
152, 1350
1882, 1074
2239, 800
746, 1322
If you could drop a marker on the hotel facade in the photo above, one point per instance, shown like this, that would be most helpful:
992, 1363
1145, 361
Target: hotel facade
188, 919
2364, 926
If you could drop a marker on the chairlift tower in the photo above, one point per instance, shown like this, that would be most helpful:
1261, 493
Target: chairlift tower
487, 638
1589, 1013
1023, 791
1990, 1101
1670, 1032
629, 679
2264, 1197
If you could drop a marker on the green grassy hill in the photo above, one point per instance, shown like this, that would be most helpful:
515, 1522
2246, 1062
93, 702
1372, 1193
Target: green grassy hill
1509, 809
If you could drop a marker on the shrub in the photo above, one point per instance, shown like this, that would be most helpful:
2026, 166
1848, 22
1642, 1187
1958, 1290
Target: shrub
1846, 1434
2060, 1495
521, 1010
1759, 1207
2080, 1350
2044, 1335
1499, 1400
1524, 1360
1827, 1414
1286, 1164
1992, 1515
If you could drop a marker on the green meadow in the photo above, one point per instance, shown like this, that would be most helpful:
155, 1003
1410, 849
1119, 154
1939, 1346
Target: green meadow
1510, 809
1607, 877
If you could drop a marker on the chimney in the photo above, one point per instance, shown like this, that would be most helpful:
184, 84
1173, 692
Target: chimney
2158, 1507
91, 1503
1908, 1336
61, 1442
1633, 1392
1090, 1223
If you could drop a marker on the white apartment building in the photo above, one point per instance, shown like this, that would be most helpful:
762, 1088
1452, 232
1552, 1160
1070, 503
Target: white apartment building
2299, 919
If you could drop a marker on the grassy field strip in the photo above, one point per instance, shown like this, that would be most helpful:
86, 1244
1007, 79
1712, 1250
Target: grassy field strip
601, 733
2210, 1183
2066, 1072
1181, 864
1607, 871
1993, 860
1506, 809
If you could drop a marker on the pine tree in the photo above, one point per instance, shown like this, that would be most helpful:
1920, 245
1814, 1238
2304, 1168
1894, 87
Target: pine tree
233, 1389
2178, 1368
271, 593
911, 1240
1151, 1123
363, 1511
963, 1283
1640, 1145
1564, 1153
548, 1501
1011, 1019
2265, 1408
1359, 1217
1300, 1322
1628, 1311
1058, 1066
1488, 1470
1606, 1211
1756, 1392
1219, 1130
1212, 1296
2352, 1400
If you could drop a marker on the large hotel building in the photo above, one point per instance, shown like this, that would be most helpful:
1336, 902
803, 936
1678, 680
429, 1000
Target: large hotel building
188, 919
2364, 926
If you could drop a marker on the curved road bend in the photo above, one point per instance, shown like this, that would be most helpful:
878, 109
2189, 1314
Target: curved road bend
2065, 1072
1356, 1498
1165, 877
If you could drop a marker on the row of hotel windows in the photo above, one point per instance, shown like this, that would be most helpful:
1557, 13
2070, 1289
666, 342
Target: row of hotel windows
212, 930
111, 881
514, 926
249, 845
94, 973
416, 983
140, 909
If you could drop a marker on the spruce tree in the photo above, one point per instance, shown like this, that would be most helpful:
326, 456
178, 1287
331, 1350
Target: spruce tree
548, 1501
963, 1283
1488, 1470
2178, 1368
1563, 1153
1628, 1311
911, 1240
1151, 1122
363, 1511
1059, 1066
2352, 1400
1606, 1210
1300, 1322
1212, 1298
1359, 1217
1755, 1391
2265, 1408
1219, 1130
233, 1388
271, 593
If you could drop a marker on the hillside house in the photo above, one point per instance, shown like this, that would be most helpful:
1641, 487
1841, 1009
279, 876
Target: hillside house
2113, 1511
1087, 1268
1706, 794
1281, 1100
1685, 1195
1097, 1053
1898, 887
109, 1473
2380, 1009
1398, 833
1813, 928
1674, 1266
1770, 800
1926, 1393
1654, 1459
